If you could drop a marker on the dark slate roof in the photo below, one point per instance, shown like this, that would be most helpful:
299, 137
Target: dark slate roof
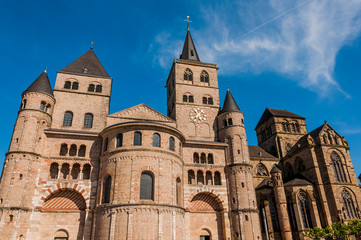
41, 84
189, 48
317, 131
297, 182
275, 169
269, 112
266, 183
229, 104
301, 143
254, 152
87, 61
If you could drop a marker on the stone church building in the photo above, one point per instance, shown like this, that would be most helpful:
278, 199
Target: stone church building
75, 171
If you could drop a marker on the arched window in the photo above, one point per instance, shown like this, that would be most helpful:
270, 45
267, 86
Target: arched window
217, 178
43, 106
203, 158
200, 177
225, 123
209, 178
195, 157
205, 77
65, 170
107, 189
63, 149
98, 88
185, 98
156, 140
178, 191
67, 85
210, 158
330, 138
75, 170
338, 167
188, 75
47, 107
68, 119
210, 101
349, 205
303, 204
137, 139
293, 127
23, 104
119, 140
146, 186
73, 150
106, 141
88, 120
91, 88
75, 86
171, 143
190, 98
284, 127
230, 122
261, 170
298, 127
54, 168
86, 171
191, 177
204, 100
82, 150
324, 139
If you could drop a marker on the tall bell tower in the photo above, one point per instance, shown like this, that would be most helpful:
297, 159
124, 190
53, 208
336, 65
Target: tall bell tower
192, 94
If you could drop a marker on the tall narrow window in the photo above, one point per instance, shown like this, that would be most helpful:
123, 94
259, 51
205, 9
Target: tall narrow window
190, 98
203, 158
75, 170
42, 106
82, 150
204, 100
88, 120
349, 205
303, 204
188, 75
273, 212
225, 123
67, 85
200, 177
73, 150
64, 170
191, 177
217, 178
24, 104
178, 191
195, 157
106, 144
86, 171
98, 89
119, 140
137, 139
107, 189
185, 98
209, 180
210, 158
298, 127
210, 101
338, 167
156, 140
75, 86
54, 168
91, 88
230, 122
63, 149
146, 186
204, 77
68, 119
171, 143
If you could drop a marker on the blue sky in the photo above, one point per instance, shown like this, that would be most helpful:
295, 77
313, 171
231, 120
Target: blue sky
303, 56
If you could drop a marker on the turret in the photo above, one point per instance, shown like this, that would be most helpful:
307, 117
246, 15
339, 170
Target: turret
245, 222
281, 203
23, 160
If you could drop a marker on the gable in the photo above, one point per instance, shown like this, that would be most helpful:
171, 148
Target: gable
142, 112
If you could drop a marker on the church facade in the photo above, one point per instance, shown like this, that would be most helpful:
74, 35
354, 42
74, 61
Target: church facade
75, 171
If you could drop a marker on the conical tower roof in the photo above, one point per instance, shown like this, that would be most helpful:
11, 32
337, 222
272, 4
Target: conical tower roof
189, 50
275, 169
88, 63
229, 104
41, 84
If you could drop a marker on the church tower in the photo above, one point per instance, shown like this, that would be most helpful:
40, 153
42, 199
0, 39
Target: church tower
24, 158
192, 94
244, 218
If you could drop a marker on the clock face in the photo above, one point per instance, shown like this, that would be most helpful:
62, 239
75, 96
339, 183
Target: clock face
198, 115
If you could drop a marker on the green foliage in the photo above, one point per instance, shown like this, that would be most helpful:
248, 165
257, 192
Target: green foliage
337, 231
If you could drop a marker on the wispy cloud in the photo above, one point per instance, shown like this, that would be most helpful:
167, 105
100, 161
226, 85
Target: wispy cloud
299, 39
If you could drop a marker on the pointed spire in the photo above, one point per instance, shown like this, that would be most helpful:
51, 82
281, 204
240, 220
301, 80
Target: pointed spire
275, 169
88, 63
189, 50
229, 104
41, 84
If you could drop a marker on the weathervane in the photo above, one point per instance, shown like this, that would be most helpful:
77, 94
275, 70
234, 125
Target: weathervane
92, 43
188, 21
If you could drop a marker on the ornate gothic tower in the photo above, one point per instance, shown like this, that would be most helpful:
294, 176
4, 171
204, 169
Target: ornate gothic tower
245, 222
192, 94
24, 159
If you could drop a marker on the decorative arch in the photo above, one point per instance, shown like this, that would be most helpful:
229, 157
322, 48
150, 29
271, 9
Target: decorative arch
261, 170
65, 199
205, 202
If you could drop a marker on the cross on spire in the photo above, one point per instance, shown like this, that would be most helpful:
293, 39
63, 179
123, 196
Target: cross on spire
188, 21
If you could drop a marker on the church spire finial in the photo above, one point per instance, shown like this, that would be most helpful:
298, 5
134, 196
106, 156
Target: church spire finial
188, 21
45, 69
92, 45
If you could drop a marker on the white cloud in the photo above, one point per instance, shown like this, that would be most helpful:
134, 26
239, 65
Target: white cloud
297, 38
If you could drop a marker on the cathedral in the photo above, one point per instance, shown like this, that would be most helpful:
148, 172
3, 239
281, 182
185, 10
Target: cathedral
74, 171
